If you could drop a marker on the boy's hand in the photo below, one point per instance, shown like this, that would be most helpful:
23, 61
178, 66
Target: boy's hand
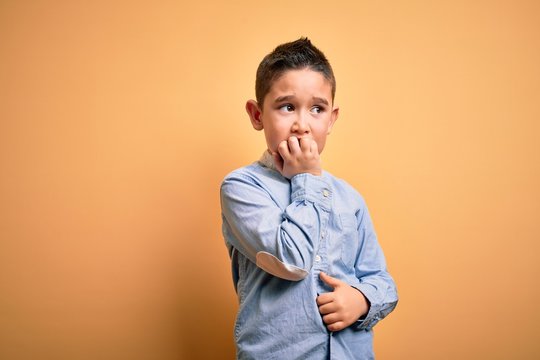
295, 156
341, 307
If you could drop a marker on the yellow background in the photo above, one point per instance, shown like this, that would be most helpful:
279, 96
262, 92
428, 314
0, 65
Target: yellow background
119, 119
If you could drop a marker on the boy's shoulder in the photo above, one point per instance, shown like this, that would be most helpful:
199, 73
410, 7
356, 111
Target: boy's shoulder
252, 170
255, 173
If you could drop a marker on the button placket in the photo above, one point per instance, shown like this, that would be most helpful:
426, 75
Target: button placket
319, 261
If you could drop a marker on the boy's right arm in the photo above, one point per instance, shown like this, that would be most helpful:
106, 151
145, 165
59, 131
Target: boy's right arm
280, 241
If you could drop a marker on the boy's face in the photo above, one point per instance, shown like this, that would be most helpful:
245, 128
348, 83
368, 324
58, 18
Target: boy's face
298, 104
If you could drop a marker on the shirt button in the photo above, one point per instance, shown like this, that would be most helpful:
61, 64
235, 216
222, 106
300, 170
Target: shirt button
326, 193
317, 258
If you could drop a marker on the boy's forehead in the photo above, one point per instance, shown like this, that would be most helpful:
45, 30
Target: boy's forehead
301, 82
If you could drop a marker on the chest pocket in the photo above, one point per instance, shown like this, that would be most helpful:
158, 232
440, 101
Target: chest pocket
348, 239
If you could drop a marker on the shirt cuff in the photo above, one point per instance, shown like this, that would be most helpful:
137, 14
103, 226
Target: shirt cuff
312, 188
369, 320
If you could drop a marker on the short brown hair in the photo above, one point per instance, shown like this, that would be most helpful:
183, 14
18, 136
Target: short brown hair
295, 55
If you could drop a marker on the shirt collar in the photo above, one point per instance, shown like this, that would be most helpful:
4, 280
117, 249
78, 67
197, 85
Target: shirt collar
267, 160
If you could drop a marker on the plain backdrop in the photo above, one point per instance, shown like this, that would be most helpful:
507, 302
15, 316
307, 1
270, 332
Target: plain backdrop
119, 119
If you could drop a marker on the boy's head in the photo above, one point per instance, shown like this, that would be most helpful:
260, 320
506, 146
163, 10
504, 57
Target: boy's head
295, 90
296, 55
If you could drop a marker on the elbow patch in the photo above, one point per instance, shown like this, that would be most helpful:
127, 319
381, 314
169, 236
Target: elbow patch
274, 266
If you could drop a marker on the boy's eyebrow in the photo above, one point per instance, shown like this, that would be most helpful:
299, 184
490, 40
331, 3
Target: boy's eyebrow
283, 98
320, 100
289, 97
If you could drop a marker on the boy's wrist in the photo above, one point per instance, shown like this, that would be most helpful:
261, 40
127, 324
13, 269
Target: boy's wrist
308, 187
314, 173
317, 172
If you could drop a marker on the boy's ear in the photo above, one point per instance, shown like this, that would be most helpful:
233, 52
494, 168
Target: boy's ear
333, 119
254, 112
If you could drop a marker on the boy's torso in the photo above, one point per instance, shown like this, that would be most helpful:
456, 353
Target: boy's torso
280, 318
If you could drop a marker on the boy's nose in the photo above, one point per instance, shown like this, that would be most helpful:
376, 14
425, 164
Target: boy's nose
301, 125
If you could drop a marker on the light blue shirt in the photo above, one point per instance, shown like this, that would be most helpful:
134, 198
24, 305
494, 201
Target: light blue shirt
281, 234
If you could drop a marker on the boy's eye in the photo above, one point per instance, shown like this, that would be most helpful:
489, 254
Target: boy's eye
287, 107
317, 109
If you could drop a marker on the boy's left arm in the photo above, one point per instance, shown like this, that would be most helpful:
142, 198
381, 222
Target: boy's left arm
364, 303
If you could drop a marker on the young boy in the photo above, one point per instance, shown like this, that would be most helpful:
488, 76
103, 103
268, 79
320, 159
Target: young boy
309, 273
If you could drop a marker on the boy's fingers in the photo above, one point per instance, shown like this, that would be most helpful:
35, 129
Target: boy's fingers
324, 299
333, 282
327, 308
283, 149
306, 144
331, 318
337, 326
294, 145
313, 147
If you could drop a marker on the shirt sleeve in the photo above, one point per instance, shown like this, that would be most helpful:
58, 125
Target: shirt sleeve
280, 241
374, 280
